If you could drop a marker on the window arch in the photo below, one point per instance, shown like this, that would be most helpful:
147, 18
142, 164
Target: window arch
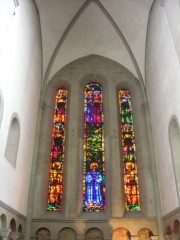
13, 142
144, 233
13, 225
168, 230
43, 234
131, 186
3, 221
94, 162
67, 233
56, 170
121, 233
176, 227
94, 233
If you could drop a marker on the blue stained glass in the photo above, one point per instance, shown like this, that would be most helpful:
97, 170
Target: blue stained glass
94, 170
93, 186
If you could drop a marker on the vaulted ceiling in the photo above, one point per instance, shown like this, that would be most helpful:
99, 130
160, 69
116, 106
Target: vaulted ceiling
115, 29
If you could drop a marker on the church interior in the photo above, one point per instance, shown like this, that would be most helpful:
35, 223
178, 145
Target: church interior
90, 120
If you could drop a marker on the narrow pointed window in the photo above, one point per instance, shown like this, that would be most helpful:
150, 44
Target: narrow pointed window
12, 145
56, 170
131, 186
94, 163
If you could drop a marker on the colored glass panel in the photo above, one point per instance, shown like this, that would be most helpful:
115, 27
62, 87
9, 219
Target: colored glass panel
129, 152
94, 164
56, 169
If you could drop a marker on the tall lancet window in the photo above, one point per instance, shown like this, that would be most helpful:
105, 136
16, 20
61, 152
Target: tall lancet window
56, 170
94, 163
129, 152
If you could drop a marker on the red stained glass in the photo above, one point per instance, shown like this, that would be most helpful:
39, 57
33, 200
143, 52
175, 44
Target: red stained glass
129, 152
55, 196
94, 170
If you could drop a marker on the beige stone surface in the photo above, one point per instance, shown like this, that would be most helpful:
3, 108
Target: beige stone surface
131, 44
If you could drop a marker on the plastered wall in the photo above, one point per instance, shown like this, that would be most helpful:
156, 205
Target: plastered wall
20, 82
163, 90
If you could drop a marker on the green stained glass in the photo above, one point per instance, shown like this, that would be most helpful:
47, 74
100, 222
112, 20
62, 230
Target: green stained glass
131, 186
56, 169
94, 170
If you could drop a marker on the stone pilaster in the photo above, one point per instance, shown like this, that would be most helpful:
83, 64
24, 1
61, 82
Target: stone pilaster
114, 161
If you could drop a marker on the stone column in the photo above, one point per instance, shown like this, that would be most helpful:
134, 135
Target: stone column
143, 153
154, 174
4, 233
33, 171
72, 160
15, 235
113, 160
21, 236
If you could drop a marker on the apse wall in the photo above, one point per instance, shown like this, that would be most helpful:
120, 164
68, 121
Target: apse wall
75, 76
20, 82
163, 90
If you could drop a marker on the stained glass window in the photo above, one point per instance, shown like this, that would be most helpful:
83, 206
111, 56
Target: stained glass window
129, 152
56, 169
94, 164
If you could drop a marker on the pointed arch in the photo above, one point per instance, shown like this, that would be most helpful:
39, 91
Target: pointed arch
12, 225
176, 226
168, 230
3, 221
114, 25
20, 229
75, 18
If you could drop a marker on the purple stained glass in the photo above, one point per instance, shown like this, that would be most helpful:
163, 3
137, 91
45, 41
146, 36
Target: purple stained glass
131, 185
94, 169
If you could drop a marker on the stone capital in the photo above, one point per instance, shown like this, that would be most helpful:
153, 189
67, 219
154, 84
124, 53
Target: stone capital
5, 232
